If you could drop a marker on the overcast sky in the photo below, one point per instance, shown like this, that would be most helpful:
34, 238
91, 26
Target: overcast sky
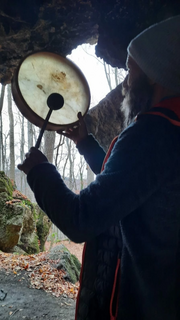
92, 67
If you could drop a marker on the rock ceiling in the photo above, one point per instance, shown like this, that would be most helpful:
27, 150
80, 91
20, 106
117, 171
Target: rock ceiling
62, 25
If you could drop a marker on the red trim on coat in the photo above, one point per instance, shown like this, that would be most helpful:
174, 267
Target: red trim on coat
172, 104
174, 122
80, 280
114, 317
84, 249
109, 152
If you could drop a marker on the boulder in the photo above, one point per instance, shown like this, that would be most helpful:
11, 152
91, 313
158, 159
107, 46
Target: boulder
17, 219
11, 215
29, 239
43, 225
67, 262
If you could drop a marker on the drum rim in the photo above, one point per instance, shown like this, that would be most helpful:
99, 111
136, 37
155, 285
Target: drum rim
24, 108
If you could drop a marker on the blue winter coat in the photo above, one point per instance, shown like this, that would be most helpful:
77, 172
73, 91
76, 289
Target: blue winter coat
131, 211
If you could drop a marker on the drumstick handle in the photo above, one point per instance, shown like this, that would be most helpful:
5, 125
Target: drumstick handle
43, 129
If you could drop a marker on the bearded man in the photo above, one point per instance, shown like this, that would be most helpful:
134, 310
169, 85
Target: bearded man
129, 216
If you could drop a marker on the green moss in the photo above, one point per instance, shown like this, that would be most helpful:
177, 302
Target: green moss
4, 197
31, 247
70, 264
34, 246
5, 184
76, 262
43, 225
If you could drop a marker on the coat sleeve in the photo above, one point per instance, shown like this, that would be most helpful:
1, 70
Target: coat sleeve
92, 152
139, 163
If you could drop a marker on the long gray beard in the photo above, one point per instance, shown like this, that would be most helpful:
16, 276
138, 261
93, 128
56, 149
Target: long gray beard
137, 99
126, 111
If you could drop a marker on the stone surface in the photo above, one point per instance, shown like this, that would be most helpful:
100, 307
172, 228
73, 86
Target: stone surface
66, 261
43, 225
11, 215
18, 217
111, 115
61, 25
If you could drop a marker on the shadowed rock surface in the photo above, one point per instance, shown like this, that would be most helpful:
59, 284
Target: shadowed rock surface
22, 224
67, 262
61, 25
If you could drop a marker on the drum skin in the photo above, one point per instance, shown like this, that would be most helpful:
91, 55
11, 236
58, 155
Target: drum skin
38, 76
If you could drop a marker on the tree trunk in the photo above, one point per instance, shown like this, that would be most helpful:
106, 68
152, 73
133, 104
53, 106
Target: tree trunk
2, 98
11, 136
1, 128
49, 140
81, 167
1, 143
22, 151
90, 175
71, 163
30, 135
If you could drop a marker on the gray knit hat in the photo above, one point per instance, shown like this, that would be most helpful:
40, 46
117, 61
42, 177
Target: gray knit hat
156, 50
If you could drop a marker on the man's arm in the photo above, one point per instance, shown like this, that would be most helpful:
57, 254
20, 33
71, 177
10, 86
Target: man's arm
139, 164
86, 144
92, 152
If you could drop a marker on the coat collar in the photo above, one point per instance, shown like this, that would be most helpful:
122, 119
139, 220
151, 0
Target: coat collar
170, 103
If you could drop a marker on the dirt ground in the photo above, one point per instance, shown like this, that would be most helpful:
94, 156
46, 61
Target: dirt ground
19, 301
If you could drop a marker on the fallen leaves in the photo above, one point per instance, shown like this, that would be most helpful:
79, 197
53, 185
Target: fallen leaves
13, 201
41, 272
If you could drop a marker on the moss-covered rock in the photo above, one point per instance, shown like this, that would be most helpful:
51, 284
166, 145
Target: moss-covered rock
29, 239
67, 262
5, 184
17, 222
11, 216
22, 223
43, 225
29, 243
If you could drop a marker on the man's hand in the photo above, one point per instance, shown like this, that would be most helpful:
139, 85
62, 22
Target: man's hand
33, 158
78, 133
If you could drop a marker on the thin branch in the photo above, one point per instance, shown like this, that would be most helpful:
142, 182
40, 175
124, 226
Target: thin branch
89, 54
2, 98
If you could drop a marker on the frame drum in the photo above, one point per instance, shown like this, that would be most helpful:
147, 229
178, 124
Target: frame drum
41, 74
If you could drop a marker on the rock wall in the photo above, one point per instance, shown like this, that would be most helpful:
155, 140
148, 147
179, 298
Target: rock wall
111, 115
61, 25
19, 219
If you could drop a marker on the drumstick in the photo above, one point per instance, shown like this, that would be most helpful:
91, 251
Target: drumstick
55, 101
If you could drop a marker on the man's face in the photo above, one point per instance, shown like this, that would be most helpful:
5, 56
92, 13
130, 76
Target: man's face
137, 91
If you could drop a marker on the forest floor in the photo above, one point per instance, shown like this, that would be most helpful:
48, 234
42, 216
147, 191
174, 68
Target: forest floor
32, 288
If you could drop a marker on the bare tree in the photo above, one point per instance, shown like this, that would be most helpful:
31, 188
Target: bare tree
81, 167
2, 147
22, 144
58, 151
90, 175
114, 76
11, 136
1, 128
30, 134
2, 98
49, 140
71, 159
6, 160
